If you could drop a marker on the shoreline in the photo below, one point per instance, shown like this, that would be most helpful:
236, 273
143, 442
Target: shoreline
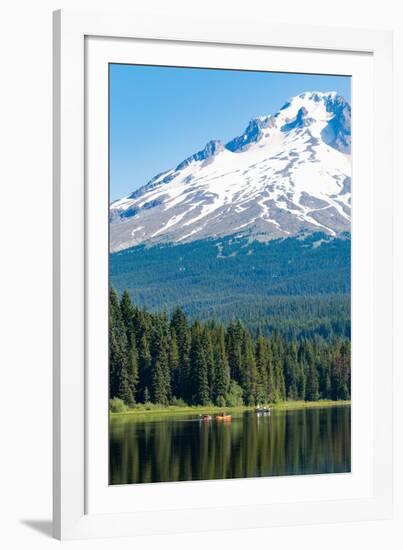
142, 411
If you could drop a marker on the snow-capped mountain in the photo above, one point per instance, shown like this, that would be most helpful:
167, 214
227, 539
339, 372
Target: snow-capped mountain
287, 173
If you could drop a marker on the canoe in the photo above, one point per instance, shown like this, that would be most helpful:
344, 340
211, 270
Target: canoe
223, 417
262, 410
206, 417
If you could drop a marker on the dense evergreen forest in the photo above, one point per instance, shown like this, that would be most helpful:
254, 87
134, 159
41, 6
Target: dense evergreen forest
298, 286
166, 359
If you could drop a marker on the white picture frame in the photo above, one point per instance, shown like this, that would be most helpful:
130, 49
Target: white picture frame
84, 506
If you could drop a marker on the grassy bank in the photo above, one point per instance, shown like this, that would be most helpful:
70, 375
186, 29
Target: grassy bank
149, 411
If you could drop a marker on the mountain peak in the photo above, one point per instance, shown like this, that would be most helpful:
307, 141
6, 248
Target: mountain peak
317, 96
253, 133
299, 112
212, 148
314, 102
327, 112
284, 174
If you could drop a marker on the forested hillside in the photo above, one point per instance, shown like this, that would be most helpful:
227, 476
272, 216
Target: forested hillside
297, 286
165, 359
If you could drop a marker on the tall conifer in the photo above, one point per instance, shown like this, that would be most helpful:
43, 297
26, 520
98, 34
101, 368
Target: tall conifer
198, 368
221, 373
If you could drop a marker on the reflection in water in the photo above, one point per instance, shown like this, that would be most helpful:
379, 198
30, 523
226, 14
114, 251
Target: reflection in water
183, 448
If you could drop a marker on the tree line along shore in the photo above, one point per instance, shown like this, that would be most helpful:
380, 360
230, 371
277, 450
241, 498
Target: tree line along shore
158, 360
152, 411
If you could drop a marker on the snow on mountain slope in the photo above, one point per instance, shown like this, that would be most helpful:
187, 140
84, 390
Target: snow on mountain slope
286, 174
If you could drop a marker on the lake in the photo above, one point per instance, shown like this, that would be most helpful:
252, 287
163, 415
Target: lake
180, 447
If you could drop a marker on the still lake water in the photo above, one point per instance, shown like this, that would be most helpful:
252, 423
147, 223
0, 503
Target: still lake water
183, 448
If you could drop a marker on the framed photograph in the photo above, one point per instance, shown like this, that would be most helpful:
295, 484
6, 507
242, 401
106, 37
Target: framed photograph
222, 274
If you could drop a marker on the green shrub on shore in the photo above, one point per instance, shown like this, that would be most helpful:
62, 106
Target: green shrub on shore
153, 410
235, 395
178, 402
116, 405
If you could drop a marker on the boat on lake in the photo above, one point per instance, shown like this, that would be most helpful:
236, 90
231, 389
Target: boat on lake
206, 417
223, 417
262, 410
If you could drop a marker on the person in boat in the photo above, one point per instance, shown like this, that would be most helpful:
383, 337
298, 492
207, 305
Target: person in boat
223, 416
262, 409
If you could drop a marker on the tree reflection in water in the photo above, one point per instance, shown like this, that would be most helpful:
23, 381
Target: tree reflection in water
183, 448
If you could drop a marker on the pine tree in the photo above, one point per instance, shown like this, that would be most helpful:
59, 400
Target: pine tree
235, 334
174, 365
209, 358
262, 392
144, 368
147, 396
119, 385
124, 387
277, 347
113, 343
160, 379
126, 309
271, 387
249, 370
291, 371
345, 352
327, 394
180, 325
221, 373
198, 368
301, 382
116, 361
341, 372
312, 383
133, 370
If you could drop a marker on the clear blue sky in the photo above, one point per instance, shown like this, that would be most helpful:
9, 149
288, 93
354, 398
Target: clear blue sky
161, 115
